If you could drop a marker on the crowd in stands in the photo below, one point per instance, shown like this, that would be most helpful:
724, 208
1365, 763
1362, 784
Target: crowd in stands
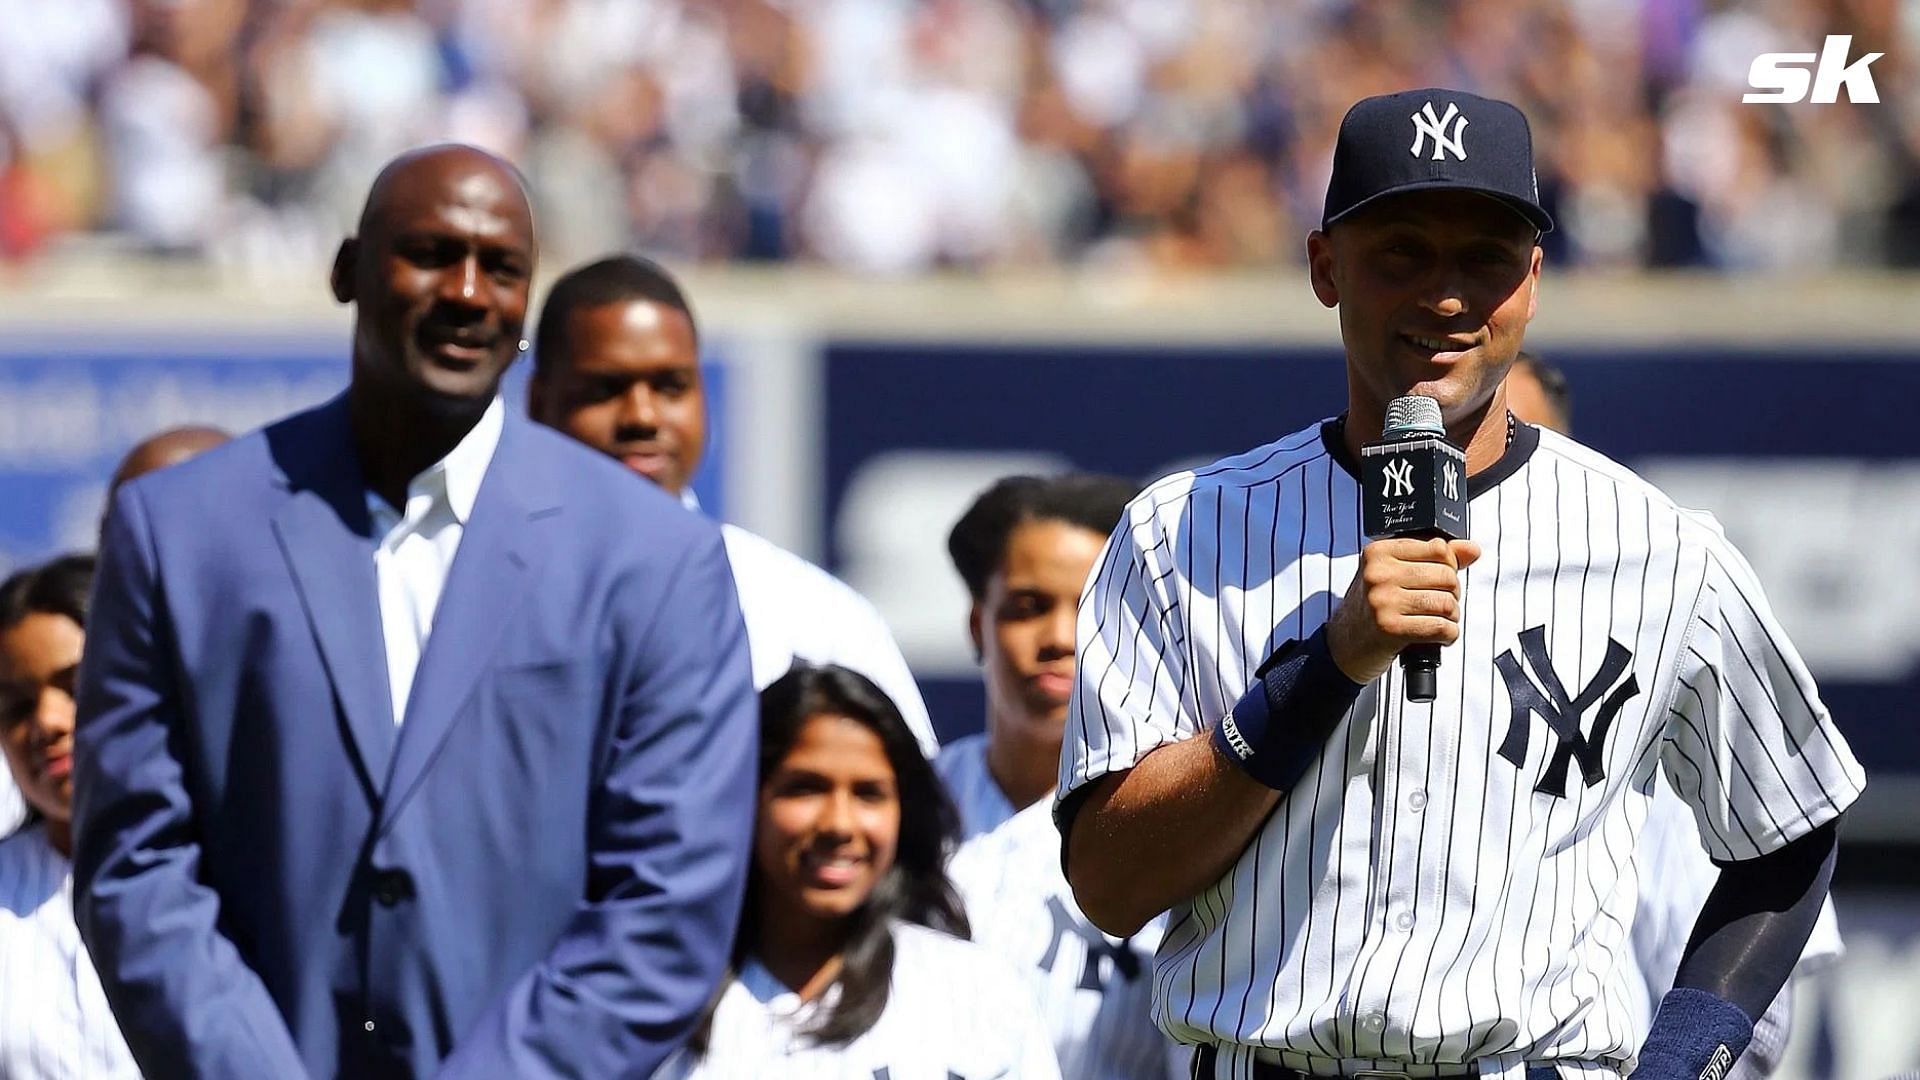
900, 136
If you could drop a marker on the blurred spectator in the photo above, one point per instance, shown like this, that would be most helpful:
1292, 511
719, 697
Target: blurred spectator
164, 449
897, 136
58, 1023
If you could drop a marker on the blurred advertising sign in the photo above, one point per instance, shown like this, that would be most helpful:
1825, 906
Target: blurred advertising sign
70, 408
1806, 458
69, 411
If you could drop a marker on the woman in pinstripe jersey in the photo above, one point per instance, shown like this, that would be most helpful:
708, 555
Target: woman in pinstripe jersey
54, 1021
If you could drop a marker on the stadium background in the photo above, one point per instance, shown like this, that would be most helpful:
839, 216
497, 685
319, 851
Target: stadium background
936, 241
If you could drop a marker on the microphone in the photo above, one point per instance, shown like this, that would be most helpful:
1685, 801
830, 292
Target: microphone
1415, 486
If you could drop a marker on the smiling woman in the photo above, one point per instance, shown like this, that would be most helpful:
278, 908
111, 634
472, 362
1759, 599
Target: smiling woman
848, 961
57, 1020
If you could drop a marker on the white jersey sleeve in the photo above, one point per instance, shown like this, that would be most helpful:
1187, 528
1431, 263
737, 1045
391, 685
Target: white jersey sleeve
867, 646
1749, 744
795, 610
1128, 694
13, 809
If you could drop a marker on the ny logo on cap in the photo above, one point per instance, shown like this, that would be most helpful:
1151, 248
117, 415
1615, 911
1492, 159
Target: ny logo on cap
1426, 124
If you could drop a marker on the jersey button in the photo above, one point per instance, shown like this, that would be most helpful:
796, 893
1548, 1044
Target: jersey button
1404, 920
1376, 1022
1417, 800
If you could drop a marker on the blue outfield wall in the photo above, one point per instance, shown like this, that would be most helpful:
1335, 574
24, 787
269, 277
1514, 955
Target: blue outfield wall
1807, 458
70, 408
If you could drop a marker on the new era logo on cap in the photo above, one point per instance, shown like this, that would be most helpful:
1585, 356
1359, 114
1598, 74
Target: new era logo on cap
1418, 140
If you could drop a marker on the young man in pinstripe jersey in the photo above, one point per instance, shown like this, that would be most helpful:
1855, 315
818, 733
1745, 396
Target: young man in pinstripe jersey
1364, 886
1025, 549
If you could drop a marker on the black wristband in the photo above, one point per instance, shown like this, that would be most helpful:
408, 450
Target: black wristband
1278, 727
1695, 1036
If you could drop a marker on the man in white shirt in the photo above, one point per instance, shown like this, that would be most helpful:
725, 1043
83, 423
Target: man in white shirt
617, 366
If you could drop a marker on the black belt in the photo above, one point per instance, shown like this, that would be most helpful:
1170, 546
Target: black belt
1205, 1056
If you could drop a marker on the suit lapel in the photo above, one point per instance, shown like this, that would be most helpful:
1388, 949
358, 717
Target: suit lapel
323, 532
500, 553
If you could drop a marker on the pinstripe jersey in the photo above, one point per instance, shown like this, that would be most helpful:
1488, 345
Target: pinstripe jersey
1094, 990
1450, 882
54, 1020
956, 1012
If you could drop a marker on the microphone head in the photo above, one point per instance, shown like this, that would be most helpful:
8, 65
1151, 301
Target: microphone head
1412, 415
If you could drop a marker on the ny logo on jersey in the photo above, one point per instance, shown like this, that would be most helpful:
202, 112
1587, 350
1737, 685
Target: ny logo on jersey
1549, 699
1427, 125
1120, 956
1399, 474
1450, 479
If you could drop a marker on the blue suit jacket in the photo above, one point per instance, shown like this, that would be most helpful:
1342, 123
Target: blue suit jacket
536, 874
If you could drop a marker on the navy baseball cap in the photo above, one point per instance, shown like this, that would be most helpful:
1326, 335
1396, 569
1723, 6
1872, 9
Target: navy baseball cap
1434, 140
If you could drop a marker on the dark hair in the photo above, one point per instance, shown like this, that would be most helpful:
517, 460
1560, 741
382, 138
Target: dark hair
1553, 384
915, 888
978, 542
612, 280
59, 587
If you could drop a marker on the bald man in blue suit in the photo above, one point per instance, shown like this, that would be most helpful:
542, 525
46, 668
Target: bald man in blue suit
414, 739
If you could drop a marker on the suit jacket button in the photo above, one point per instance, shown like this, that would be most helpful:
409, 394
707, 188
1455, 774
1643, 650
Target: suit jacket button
392, 886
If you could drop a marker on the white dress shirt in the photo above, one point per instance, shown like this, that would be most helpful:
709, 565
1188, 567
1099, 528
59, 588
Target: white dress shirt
417, 546
795, 610
54, 1019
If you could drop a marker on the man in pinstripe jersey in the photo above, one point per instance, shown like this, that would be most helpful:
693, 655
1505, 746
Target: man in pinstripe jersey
1363, 886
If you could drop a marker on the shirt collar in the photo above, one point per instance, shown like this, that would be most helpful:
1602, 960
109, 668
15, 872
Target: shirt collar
1520, 447
454, 480
466, 464
688, 499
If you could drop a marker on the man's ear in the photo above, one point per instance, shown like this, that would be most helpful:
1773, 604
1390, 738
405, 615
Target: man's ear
342, 277
1320, 268
974, 632
1533, 282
